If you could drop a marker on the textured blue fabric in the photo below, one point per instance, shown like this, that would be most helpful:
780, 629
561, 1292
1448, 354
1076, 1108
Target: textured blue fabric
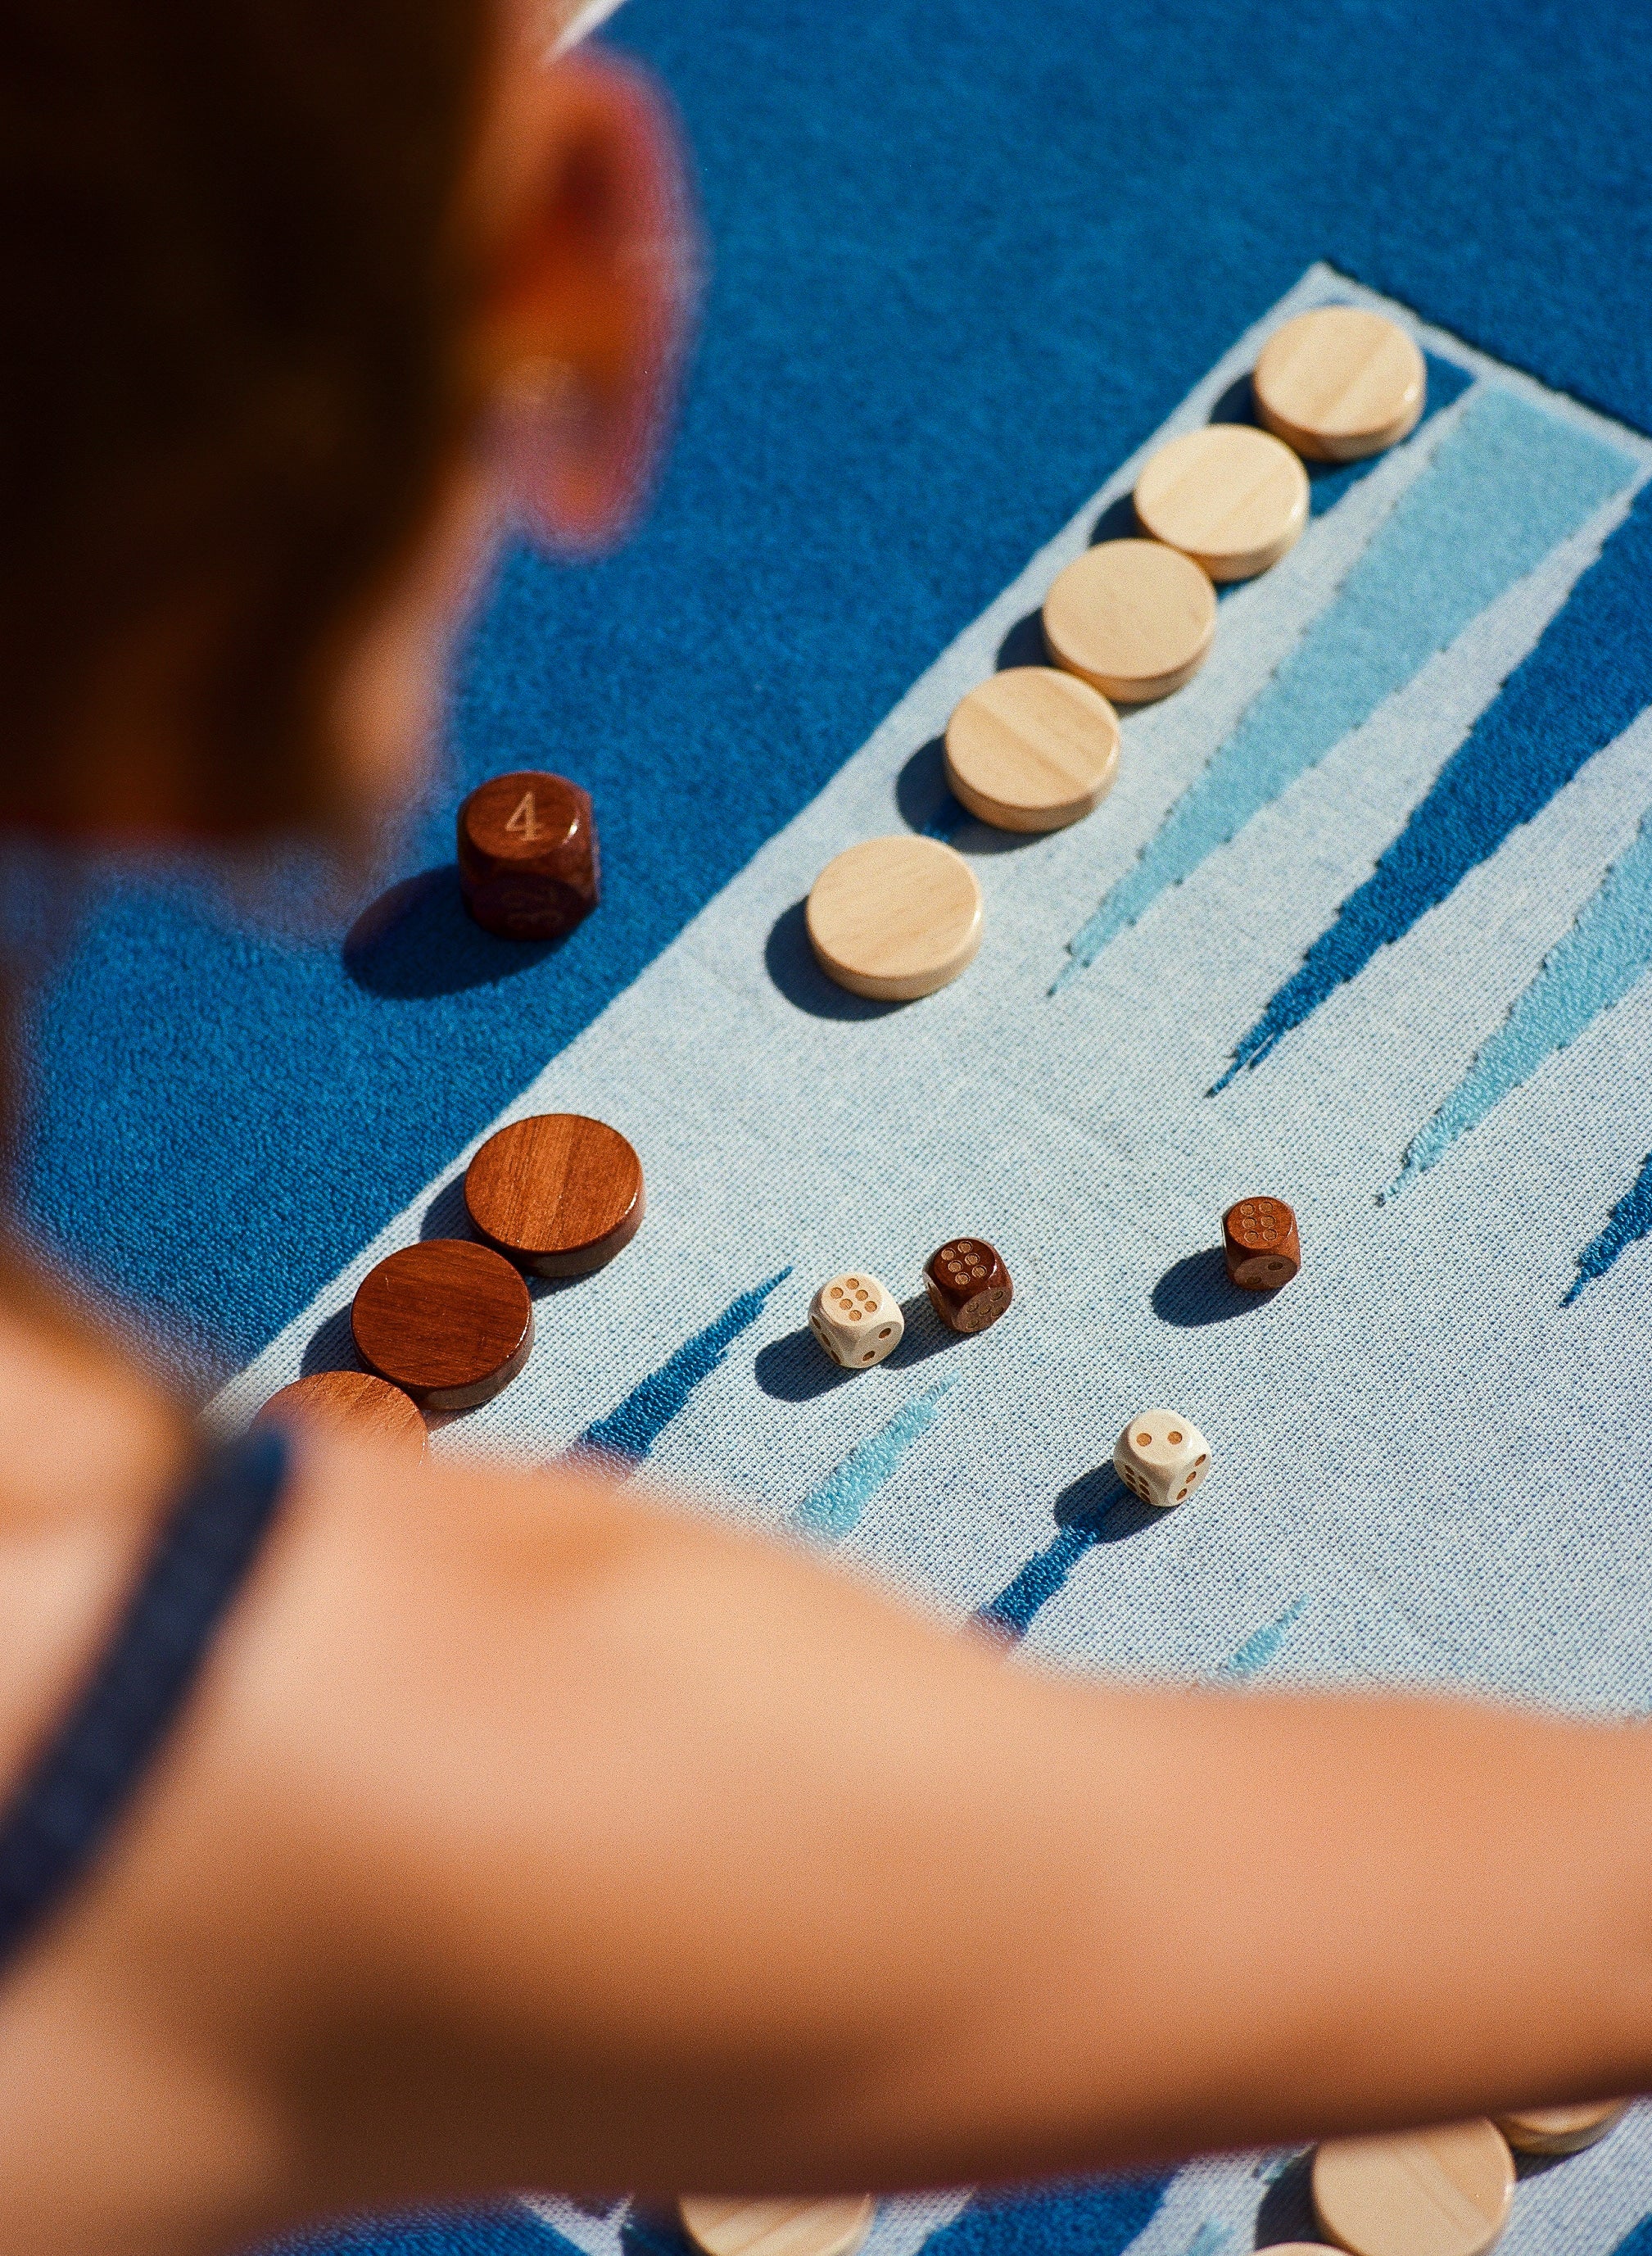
1561, 705
83, 1777
1631, 1220
1097, 2217
508, 2230
631, 1430
959, 268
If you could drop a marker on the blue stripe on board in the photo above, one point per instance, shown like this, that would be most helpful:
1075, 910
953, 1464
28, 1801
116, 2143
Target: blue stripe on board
833, 1509
632, 1429
508, 2230
1588, 677
1096, 2217
1592, 968
1012, 1613
1637, 2241
1508, 483
1631, 1220
1262, 1644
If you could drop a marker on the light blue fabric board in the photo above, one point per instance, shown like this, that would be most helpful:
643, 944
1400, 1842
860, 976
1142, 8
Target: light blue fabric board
1398, 1493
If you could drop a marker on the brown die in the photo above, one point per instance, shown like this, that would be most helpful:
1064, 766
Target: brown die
969, 1287
528, 864
1258, 1237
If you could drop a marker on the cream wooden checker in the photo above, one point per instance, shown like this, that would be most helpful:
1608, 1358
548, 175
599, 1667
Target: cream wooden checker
895, 918
1339, 383
1560, 2130
1232, 498
1445, 2191
1133, 618
722, 2226
1032, 748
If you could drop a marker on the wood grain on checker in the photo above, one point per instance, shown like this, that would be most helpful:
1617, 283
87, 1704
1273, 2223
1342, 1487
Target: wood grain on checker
1133, 618
448, 1320
1447, 2191
560, 1193
725, 2225
1339, 383
528, 862
1232, 498
1561, 2130
895, 918
348, 1401
1032, 748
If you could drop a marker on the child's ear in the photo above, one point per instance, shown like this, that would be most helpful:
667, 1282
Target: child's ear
587, 282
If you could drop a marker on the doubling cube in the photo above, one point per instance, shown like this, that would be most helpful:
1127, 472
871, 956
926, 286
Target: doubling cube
1258, 1237
528, 862
856, 1320
1161, 1458
969, 1287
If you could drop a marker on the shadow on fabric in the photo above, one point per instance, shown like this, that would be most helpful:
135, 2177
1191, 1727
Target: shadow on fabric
416, 940
1198, 1290
791, 964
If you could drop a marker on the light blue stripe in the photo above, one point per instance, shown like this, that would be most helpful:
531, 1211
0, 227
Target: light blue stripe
1210, 2237
1505, 486
1262, 1644
1593, 967
833, 1510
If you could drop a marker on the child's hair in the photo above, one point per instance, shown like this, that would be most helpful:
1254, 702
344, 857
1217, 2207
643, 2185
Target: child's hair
234, 298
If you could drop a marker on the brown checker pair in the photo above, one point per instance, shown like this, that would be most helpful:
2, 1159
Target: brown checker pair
558, 1193
348, 1402
449, 1322
1259, 1237
528, 862
969, 1287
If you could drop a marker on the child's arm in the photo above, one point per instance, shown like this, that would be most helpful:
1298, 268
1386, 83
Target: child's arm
521, 1834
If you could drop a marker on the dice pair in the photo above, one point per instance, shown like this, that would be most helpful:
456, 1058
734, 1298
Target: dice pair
858, 1320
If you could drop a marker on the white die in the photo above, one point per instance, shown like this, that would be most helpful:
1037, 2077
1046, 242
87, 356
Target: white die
1161, 1458
856, 1320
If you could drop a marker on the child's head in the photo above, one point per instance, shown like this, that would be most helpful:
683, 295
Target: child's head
280, 276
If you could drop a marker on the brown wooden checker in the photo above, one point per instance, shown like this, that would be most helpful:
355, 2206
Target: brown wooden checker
349, 1402
528, 862
1133, 618
1445, 2191
1340, 382
448, 1320
1261, 1243
1561, 2130
560, 1193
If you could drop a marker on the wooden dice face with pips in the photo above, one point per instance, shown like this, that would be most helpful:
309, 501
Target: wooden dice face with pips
856, 1320
969, 1287
1259, 1237
1161, 1458
528, 864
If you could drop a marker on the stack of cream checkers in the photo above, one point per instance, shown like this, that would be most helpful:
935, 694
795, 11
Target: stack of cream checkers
1036, 747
